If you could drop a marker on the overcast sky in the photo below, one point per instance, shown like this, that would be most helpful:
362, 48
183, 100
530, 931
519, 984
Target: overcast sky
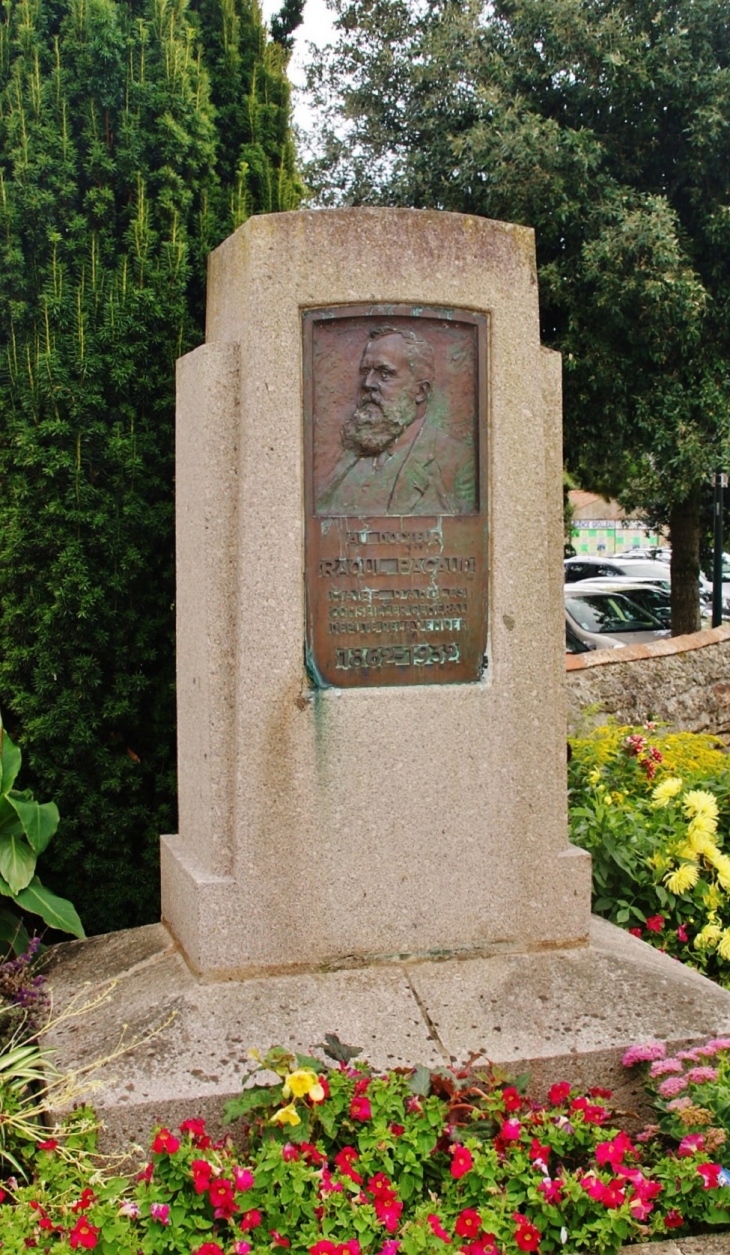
316, 29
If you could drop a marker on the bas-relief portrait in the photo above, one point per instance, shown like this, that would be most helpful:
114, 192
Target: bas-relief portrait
395, 411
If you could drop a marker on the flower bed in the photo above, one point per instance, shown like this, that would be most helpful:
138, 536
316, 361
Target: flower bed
347, 1161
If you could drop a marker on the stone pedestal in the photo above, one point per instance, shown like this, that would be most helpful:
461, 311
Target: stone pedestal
324, 827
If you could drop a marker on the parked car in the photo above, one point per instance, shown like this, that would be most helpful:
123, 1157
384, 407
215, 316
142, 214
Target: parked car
607, 620
589, 568
647, 596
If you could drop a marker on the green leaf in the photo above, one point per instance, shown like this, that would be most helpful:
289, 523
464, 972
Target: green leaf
251, 1100
309, 1061
39, 821
420, 1081
57, 912
336, 1049
13, 931
11, 760
17, 861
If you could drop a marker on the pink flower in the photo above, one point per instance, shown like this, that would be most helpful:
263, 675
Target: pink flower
388, 1212
165, 1143
462, 1161
389, 1247
552, 1190
250, 1220
645, 1053
672, 1086
277, 1239
208, 1248
323, 1247
655, 923
510, 1130
709, 1173
84, 1234
663, 1067
593, 1186
698, 1076
360, 1109
241, 1248
718, 1043
690, 1145
613, 1194
437, 1228
673, 1220
243, 1178
679, 1104
344, 1159
380, 1186
161, 1212
613, 1152
681, 933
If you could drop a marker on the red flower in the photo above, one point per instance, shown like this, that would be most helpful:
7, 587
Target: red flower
709, 1173
344, 1159
552, 1190
380, 1186
323, 1247
250, 1220
510, 1130
361, 1086
312, 1155
388, 1212
196, 1129
655, 923
277, 1239
360, 1109
527, 1236
613, 1194
202, 1172
682, 936
673, 1220
538, 1153
558, 1093
462, 1161
243, 1179
84, 1234
220, 1193
636, 932
208, 1248
50, 1144
289, 1153
165, 1143
613, 1152
351, 1247
591, 1113
326, 1088
397, 1129
437, 1228
468, 1223
146, 1173
511, 1098
82, 1204
597, 1092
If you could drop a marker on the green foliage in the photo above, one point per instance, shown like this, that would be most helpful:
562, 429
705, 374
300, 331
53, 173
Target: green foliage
134, 137
604, 126
26, 827
653, 810
460, 1156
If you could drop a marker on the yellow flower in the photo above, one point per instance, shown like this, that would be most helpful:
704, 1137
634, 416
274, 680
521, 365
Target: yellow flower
723, 948
713, 897
286, 1115
664, 792
699, 802
708, 938
721, 863
684, 878
685, 850
702, 843
302, 1082
594, 776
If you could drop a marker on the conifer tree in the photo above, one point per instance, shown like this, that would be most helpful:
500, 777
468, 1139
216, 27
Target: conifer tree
134, 137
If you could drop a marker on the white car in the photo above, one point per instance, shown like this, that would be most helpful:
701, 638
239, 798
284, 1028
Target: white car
608, 620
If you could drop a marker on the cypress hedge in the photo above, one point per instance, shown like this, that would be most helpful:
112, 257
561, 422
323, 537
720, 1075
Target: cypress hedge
135, 135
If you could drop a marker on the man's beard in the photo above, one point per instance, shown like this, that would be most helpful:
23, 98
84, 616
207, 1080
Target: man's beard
373, 427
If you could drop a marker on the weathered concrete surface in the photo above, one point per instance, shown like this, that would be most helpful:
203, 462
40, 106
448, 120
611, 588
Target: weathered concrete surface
329, 826
562, 1014
709, 1244
684, 681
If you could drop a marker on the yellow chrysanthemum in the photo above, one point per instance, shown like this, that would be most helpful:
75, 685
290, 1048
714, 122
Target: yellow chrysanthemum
703, 844
685, 850
286, 1115
699, 802
664, 792
659, 861
721, 863
713, 898
708, 938
302, 1082
594, 776
702, 825
684, 878
723, 946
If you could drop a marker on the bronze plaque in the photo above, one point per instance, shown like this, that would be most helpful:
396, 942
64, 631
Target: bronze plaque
395, 405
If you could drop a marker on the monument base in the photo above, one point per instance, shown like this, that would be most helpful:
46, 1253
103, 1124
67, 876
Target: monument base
563, 1014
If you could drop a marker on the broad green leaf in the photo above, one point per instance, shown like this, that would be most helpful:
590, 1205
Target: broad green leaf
420, 1082
39, 821
13, 931
57, 912
11, 760
17, 861
250, 1100
10, 825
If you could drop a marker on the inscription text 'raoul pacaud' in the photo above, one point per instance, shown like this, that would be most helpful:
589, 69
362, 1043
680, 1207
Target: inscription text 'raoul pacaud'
395, 406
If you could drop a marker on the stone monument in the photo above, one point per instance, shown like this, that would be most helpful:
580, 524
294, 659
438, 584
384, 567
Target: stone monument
370, 666
371, 723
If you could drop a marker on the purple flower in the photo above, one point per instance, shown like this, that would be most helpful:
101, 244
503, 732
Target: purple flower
644, 1053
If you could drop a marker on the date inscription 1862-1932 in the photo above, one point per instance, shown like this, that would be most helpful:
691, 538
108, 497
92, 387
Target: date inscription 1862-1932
395, 405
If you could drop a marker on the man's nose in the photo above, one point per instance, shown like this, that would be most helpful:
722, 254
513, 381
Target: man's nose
371, 381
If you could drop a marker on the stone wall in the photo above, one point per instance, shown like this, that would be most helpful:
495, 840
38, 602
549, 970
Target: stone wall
683, 680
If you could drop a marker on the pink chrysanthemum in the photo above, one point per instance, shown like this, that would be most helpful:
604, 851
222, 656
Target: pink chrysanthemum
718, 1043
698, 1076
646, 1052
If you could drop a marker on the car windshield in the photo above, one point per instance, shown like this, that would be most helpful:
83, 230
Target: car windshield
653, 600
611, 613
644, 570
